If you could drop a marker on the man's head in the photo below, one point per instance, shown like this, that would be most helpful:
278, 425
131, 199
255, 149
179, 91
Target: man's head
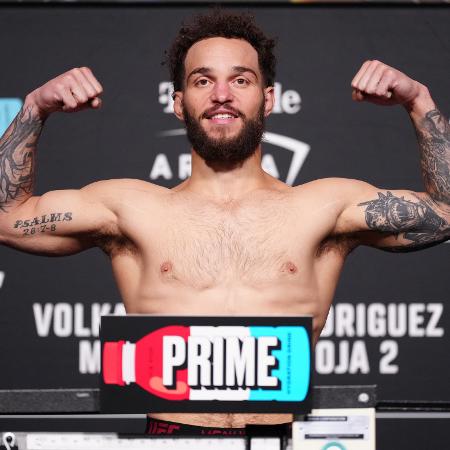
223, 68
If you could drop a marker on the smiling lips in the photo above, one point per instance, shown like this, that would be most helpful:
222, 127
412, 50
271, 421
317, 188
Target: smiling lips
222, 116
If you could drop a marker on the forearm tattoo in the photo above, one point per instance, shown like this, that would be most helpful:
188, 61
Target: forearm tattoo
434, 139
17, 158
417, 221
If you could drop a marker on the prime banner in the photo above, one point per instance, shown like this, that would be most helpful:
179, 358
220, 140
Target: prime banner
389, 322
205, 364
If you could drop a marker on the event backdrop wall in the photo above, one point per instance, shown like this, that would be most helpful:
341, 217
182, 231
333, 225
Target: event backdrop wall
390, 320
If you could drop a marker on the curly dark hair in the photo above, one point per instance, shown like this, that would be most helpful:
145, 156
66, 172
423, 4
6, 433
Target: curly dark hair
219, 23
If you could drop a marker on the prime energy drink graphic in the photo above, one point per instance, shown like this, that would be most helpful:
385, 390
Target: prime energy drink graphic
199, 364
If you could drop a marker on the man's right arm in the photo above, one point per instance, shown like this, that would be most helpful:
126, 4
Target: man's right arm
59, 222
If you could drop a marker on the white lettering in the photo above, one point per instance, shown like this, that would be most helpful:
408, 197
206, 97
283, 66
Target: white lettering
435, 309
161, 168
352, 357
379, 319
376, 320
324, 357
62, 319
199, 352
2, 278
287, 102
389, 350
360, 319
42, 318
89, 357
70, 319
345, 319
344, 355
416, 320
269, 166
79, 328
119, 310
240, 361
98, 310
184, 166
277, 97
290, 102
397, 323
218, 349
174, 355
266, 360
329, 324
359, 361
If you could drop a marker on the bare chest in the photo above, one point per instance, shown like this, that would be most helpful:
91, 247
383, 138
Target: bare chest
254, 245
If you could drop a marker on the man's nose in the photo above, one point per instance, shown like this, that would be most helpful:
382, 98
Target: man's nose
221, 93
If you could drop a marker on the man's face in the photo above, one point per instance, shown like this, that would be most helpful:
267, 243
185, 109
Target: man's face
223, 103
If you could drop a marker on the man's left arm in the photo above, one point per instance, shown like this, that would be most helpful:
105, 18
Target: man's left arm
404, 220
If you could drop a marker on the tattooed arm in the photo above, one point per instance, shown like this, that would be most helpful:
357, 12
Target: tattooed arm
17, 148
59, 222
403, 220
70, 92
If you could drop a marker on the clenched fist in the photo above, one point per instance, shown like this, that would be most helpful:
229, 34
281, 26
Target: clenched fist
379, 83
72, 91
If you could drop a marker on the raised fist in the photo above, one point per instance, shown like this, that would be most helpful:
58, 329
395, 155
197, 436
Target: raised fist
72, 91
379, 83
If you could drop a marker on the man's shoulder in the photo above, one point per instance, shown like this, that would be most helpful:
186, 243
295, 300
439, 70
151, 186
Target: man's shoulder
124, 186
336, 194
330, 186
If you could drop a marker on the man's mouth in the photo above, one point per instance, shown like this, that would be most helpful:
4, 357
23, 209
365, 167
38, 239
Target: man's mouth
222, 117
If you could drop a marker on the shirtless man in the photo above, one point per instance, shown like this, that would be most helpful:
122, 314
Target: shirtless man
231, 239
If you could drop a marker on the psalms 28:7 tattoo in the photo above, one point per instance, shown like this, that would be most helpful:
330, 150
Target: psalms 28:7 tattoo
43, 224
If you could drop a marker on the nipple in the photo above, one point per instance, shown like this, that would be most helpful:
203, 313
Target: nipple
290, 267
166, 267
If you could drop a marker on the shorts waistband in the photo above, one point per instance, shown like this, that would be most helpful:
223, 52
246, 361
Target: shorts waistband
157, 427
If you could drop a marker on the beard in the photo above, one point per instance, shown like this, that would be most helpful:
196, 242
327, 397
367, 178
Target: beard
226, 153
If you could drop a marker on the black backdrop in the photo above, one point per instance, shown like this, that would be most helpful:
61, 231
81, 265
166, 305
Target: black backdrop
49, 307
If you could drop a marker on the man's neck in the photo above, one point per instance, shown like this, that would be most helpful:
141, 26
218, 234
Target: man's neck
226, 185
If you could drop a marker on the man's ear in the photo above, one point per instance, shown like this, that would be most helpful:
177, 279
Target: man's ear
178, 105
269, 100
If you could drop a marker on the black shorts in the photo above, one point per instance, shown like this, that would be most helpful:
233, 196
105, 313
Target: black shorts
157, 427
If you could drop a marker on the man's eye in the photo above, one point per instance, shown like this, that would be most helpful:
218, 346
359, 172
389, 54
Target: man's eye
241, 81
202, 82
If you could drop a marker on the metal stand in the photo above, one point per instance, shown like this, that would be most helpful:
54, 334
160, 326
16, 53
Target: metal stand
69, 419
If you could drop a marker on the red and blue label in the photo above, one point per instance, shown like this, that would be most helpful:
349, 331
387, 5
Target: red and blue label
237, 363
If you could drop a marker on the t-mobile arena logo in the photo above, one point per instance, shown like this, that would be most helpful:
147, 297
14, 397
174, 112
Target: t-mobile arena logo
9, 107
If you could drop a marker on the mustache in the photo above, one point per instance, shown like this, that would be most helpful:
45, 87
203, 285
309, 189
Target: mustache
223, 109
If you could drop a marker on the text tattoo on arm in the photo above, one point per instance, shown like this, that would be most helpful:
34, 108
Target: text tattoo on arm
417, 221
17, 158
42, 224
